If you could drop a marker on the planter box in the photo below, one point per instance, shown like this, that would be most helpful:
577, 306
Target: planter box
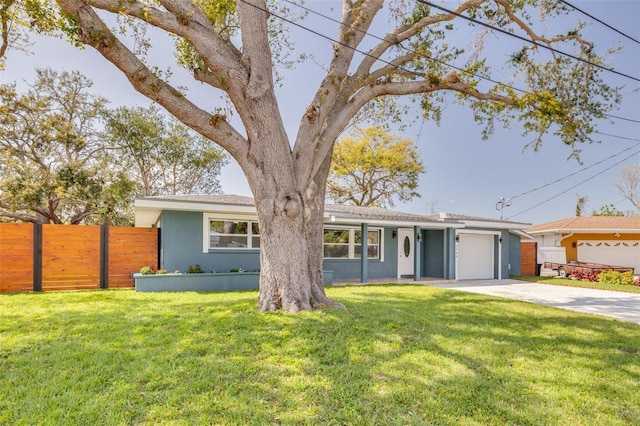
221, 281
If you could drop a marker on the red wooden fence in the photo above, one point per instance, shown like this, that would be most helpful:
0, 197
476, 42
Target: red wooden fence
64, 257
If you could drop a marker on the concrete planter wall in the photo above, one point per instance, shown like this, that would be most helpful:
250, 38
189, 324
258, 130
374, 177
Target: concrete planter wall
221, 281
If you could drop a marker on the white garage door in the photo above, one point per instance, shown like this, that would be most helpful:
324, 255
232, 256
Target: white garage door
475, 256
611, 252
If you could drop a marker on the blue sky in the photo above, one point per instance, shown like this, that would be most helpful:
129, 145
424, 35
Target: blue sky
465, 174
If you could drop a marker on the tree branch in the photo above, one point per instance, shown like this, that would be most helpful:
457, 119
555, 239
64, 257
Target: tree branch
94, 32
19, 216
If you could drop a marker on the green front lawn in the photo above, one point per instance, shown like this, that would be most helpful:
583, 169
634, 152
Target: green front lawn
400, 355
568, 282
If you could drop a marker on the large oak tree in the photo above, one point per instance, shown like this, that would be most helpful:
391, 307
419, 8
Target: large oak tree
231, 45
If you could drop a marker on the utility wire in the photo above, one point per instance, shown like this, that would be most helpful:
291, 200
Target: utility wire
575, 173
520, 90
526, 40
481, 77
617, 136
598, 20
574, 186
339, 22
622, 118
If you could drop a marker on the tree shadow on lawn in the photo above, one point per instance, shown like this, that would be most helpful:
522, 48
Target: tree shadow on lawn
498, 361
398, 355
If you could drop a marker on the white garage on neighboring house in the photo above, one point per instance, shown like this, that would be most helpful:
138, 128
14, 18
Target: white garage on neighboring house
610, 252
612, 240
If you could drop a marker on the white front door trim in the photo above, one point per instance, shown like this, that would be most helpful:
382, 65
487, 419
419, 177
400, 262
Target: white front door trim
405, 260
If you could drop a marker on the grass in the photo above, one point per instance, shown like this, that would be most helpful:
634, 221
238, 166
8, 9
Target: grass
400, 355
567, 282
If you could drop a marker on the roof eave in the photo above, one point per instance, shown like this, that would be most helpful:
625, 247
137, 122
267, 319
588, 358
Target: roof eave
587, 231
494, 225
341, 220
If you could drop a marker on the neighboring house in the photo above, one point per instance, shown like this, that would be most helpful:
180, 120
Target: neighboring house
220, 232
612, 240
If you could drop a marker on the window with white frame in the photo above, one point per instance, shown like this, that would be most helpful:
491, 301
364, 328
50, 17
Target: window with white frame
236, 234
346, 243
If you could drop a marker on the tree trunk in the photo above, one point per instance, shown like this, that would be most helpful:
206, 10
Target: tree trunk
291, 244
284, 279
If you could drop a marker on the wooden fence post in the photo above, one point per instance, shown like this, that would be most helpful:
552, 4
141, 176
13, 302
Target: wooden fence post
37, 257
104, 256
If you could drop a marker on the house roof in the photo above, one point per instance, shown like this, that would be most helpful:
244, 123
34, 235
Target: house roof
148, 210
486, 222
589, 224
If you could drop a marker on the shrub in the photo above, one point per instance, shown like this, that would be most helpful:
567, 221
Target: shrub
236, 270
146, 270
617, 278
585, 276
194, 269
161, 271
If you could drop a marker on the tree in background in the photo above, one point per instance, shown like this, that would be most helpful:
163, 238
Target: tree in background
231, 47
582, 200
55, 167
163, 155
59, 165
608, 210
629, 184
371, 167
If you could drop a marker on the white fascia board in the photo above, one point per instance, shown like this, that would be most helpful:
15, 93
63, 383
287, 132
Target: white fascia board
390, 223
194, 206
478, 231
546, 231
146, 217
521, 234
147, 211
494, 225
586, 231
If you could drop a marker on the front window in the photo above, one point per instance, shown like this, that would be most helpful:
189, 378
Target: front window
336, 243
373, 244
345, 243
233, 234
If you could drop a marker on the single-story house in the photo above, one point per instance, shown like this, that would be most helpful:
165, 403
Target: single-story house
220, 232
611, 240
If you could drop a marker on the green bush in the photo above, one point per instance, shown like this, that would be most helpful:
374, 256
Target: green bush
194, 269
617, 278
146, 270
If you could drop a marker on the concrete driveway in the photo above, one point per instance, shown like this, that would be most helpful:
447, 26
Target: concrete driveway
614, 304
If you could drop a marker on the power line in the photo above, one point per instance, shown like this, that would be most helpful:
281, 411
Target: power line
526, 40
575, 186
481, 77
337, 21
622, 118
574, 173
617, 136
598, 20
